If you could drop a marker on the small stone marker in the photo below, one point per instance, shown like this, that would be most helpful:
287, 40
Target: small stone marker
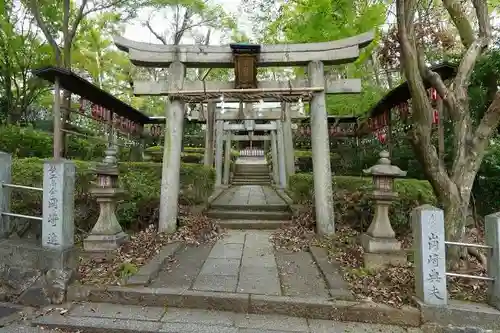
5, 177
429, 255
492, 233
58, 204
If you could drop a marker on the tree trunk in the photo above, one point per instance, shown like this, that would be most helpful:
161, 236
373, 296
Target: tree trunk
455, 206
66, 103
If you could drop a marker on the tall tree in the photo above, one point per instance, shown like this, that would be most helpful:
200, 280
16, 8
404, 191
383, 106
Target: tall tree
21, 49
452, 186
60, 20
310, 21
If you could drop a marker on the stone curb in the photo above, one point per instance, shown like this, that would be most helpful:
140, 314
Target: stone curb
282, 194
465, 314
217, 193
314, 308
15, 316
337, 290
97, 325
150, 270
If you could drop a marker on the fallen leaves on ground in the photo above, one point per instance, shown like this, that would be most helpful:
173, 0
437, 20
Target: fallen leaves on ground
394, 286
195, 229
296, 235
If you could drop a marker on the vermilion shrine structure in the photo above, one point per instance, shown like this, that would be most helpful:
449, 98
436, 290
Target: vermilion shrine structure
246, 89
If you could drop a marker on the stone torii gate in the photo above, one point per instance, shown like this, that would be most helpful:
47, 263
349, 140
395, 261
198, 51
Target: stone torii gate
245, 89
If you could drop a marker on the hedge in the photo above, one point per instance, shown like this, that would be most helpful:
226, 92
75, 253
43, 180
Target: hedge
140, 180
23, 142
189, 155
353, 204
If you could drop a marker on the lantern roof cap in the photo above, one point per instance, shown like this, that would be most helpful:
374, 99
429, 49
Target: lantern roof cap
245, 48
384, 167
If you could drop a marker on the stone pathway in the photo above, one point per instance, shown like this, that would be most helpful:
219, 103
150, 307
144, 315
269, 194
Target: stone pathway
245, 262
249, 195
118, 318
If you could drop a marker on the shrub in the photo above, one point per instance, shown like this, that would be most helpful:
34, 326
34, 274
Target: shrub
352, 199
140, 180
25, 142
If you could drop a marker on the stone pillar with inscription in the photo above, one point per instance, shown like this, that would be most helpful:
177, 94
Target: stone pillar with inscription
429, 255
492, 234
107, 234
58, 227
379, 241
5, 177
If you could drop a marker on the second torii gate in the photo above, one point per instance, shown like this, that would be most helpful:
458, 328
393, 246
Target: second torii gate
245, 59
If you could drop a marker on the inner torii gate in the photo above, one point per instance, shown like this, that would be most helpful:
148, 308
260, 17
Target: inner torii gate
245, 89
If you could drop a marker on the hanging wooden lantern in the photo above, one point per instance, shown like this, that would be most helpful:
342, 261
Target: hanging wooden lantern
435, 117
83, 103
434, 94
332, 130
245, 65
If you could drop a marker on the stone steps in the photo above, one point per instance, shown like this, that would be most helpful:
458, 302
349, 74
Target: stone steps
251, 175
253, 208
251, 224
250, 182
251, 170
248, 215
145, 300
108, 317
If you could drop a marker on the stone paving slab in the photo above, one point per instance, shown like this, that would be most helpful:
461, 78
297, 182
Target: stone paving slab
250, 195
271, 322
327, 326
226, 251
183, 272
244, 262
220, 267
259, 272
30, 329
194, 321
227, 283
299, 275
115, 311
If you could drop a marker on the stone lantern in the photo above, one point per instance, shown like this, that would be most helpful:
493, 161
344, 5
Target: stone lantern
107, 234
379, 241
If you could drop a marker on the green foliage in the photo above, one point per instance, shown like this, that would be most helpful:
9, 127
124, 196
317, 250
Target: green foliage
486, 189
21, 50
28, 142
352, 198
140, 180
195, 141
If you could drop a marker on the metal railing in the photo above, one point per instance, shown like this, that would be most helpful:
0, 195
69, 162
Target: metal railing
21, 187
468, 276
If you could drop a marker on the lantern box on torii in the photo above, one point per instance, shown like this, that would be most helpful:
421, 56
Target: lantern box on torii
245, 65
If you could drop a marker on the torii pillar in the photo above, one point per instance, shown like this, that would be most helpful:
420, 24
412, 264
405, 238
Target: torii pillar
288, 139
322, 173
208, 159
170, 175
